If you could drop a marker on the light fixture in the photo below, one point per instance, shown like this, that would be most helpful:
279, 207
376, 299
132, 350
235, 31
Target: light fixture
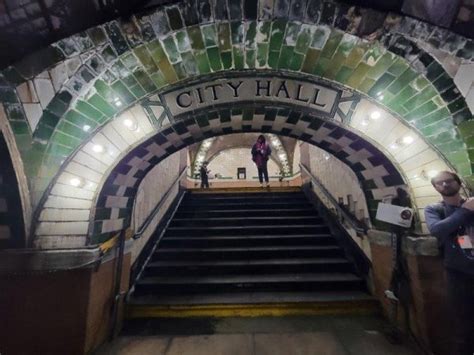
75, 182
130, 124
393, 146
207, 144
98, 148
408, 140
86, 128
281, 155
326, 157
364, 123
117, 102
380, 95
375, 115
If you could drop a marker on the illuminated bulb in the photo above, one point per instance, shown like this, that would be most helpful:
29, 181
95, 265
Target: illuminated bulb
207, 144
408, 140
432, 173
393, 146
326, 157
75, 182
375, 115
364, 123
86, 128
98, 148
117, 102
282, 156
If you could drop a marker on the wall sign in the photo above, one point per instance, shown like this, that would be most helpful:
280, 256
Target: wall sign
311, 95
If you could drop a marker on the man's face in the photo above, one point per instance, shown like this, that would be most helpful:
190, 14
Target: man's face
446, 185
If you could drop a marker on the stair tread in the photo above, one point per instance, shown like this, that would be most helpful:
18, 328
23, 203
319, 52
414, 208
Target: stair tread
258, 218
251, 298
248, 227
245, 237
293, 261
260, 210
263, 248
232, 279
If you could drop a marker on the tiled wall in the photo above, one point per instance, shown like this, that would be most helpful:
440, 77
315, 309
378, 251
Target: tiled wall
83, 81
12, 233
227, 162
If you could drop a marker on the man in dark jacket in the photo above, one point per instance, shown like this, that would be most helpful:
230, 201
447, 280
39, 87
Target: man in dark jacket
260, 153
450, 221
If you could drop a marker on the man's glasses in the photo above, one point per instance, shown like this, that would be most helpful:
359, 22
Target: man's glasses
442, 182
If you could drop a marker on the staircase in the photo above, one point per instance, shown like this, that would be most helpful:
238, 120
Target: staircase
252, 253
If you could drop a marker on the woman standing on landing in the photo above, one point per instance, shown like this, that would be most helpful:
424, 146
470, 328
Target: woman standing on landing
260, 153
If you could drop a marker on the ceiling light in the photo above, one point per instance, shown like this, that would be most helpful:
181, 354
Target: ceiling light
117, 102
207, 144
86, 128
98, 148
408, 140
375, 115
326, 157
75, 182
130, 124
393, 146
364, 123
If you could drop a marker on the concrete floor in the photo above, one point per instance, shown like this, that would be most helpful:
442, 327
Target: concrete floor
322, 335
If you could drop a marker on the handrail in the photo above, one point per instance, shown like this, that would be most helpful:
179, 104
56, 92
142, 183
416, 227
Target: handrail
157, 208
333, 201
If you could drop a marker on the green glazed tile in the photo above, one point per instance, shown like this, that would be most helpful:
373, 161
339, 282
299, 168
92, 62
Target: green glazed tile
224, 37
145, 81
402, 81
381, 84
130, 80
72, 130
78, 119
8, 95
158, 79
237, 31
226, 59
20, 127
68, 141
354, 57
436, 116
189, 63
137, 91
303, 41
358, 75
347, 43
145, 58
343, 74
380, 67
273, 58
417, 100
466, 128
262, 53
398, 67
250, 35
88, 110
263, 29
331, 45
202, 62
277, 33
457, 105
214, 58
250, 58
321, 66
167, 71
238, 57
103, 106
210, 35
43, 132
296, 61
14, 112
195, 36
320, 37
180, 71
336, 63
49, 119
423, 110
60, 150
171, 49
366, 84
404, 95
286, 54
312, 57
183, 41
420, 83
130, 61
105, 91
123, 91
156, 50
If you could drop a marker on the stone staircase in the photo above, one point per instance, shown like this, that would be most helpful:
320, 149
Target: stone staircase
238, 253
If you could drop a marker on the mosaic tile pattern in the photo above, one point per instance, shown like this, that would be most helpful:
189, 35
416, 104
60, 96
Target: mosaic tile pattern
57, 100
373, 169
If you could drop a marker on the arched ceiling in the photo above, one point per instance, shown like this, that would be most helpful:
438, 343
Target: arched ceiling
57, 101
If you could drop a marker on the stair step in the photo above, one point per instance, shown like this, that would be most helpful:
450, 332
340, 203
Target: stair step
245, 230
257, 205
268, 266
264, 252
250, 220
247, 241
284, 282
265, 195
216, 213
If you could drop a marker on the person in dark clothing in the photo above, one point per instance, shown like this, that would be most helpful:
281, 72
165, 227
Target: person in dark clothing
260, 154
203, 171
447, 221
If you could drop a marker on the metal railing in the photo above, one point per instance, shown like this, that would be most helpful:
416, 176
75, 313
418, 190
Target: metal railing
342, 215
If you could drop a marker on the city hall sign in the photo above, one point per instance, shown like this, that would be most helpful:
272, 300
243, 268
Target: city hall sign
228, 91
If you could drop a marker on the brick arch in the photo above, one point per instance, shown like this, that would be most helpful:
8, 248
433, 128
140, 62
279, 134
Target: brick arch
132, 60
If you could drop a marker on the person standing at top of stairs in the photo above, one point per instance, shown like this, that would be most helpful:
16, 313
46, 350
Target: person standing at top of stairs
203, 171
260, 153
